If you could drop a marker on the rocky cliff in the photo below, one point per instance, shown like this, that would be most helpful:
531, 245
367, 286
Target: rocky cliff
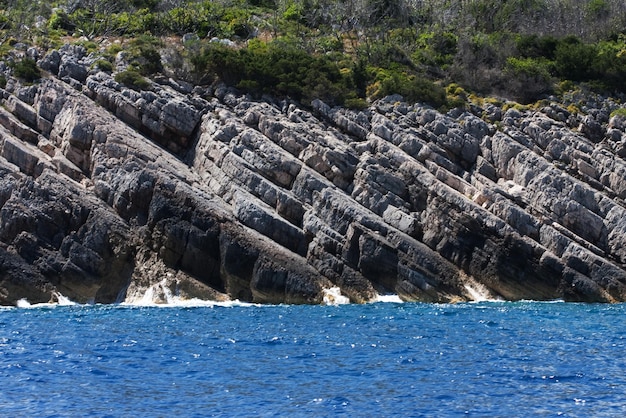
106, 192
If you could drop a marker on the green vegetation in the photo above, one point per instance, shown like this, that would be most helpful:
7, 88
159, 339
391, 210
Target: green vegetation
278, 68
619, 112
143, 54
26, 70
132, 79
344, 52
103, 65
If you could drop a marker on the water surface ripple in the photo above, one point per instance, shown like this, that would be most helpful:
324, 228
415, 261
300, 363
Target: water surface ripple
383, 359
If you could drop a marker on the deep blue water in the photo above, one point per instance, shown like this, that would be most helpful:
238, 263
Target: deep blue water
383, 359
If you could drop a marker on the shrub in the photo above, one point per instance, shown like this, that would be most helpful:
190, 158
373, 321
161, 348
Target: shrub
276, 68
90, 46
534, 46
609, 65
411, 87
528, 78
598, 7
385, 55
619, 112
103, 65
356, 103
132, 79
573, 109
565, 86
456, 96
26, 70
60, 20
574, 60
144, 54
112, 51
436, 49
516, 106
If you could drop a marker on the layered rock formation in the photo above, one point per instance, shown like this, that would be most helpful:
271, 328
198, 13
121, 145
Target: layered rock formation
107, 191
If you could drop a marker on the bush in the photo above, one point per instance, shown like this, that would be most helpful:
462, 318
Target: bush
619, 112
527, 78
534, 46
411, 87
276, 68
90, 46
574, 60
26, 70
112, 51
456, 96
103, 65
132, 79
144, 54
356, 103
610, 64
436, 49
60, 20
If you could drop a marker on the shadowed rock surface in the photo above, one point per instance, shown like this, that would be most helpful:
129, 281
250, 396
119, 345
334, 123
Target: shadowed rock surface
107, 192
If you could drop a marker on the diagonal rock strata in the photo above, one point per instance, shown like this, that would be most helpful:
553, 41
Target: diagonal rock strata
106, 192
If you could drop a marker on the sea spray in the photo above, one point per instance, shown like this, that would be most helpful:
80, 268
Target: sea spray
390, 298
477, 292
57, 299
163, 294
159, 293
63, 300
333, 296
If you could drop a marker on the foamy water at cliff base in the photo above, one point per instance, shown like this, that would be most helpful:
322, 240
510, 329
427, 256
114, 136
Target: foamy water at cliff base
159, 294
388, 299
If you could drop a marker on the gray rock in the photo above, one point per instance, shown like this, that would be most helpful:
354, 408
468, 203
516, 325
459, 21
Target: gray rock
51, 62
225, 197
72, 69
591, 129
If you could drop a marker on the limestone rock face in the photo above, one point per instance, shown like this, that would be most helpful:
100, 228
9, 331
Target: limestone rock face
107, 192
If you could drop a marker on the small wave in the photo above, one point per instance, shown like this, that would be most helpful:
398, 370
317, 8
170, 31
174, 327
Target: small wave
176, 302
542, 301
60, 301
24, 303
160, 295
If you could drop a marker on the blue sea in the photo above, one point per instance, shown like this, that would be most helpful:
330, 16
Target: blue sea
382, 359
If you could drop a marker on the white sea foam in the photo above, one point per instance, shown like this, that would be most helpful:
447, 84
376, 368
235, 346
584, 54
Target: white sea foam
333, 296
388, 299
60, 301
23, 303
160, 295
156, 294
478, 292
177, 302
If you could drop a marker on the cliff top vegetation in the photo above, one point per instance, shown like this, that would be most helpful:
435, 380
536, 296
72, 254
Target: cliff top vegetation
345, 52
